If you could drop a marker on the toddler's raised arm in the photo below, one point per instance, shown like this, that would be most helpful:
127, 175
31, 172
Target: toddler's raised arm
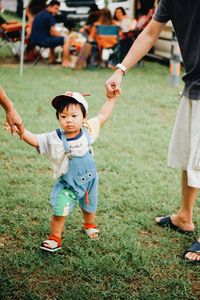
106, 110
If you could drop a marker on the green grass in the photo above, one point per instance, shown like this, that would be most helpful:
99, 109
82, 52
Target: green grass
133, 258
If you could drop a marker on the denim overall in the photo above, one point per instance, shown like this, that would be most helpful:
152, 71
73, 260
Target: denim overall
80, 183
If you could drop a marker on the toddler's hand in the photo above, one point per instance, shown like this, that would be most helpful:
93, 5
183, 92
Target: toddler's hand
7, 128
113, 98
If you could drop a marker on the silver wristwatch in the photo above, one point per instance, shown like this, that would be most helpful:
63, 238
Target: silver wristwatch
121, 67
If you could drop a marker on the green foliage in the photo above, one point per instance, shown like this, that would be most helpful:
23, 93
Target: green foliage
133, 258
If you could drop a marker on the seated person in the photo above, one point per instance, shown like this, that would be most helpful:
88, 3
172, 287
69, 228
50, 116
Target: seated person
44, 33
105, 18
127, 26
91, 19
33, 8
12, 28
125, 23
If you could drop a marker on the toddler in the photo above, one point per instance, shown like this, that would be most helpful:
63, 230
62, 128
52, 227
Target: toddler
74, 168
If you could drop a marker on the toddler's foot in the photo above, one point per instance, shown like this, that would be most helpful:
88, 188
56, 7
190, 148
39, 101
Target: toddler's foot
53, 244
91, 231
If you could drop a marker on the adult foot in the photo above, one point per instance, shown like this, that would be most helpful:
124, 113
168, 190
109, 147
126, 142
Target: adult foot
192, 254
175, 223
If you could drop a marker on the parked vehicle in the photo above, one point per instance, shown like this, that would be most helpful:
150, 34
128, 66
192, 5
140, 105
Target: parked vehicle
77, 10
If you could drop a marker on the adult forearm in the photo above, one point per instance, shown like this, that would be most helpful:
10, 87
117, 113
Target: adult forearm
143, 43
138, 50
5, 102
54, 32
140, 47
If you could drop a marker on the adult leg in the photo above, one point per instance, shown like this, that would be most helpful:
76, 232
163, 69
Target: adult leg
51, 55
183, 218
52, 42
66, 54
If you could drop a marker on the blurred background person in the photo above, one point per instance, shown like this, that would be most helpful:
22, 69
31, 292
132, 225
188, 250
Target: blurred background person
45, 34
106, 43
93, 17
105, 18
33, 8
127, 26
125, 23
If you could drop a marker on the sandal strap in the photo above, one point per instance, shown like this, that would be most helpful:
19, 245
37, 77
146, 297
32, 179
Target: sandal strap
55, 238
91, 231
88, 226
195, 248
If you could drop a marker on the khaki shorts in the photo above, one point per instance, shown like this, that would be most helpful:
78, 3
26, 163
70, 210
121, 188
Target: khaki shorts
184, 147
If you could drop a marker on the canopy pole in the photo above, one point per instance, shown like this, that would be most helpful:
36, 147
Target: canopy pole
25, 3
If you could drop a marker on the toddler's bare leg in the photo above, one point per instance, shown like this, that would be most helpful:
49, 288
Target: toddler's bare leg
57, 224
89, 218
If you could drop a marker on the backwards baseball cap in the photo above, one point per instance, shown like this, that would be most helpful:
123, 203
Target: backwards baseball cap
60, 99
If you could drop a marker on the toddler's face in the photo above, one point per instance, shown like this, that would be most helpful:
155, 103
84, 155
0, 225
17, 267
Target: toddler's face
71, 120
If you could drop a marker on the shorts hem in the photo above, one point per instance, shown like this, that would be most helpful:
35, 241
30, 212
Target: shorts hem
60, 214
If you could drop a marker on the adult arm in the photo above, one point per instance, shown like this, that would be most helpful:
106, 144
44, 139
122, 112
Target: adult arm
140, 48
12, 116
54, 32
11, 26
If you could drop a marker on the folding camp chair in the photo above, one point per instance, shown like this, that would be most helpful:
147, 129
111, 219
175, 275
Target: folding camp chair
34, 53
12, 38
107, 41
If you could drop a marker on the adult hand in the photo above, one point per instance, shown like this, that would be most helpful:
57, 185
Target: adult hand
113, 84
12, 117
15, 122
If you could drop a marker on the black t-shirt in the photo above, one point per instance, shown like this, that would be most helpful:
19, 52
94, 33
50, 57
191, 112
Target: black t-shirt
185, 15
2, 21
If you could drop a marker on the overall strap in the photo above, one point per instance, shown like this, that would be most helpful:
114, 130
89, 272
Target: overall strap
58, 131
61, 135
86, 131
